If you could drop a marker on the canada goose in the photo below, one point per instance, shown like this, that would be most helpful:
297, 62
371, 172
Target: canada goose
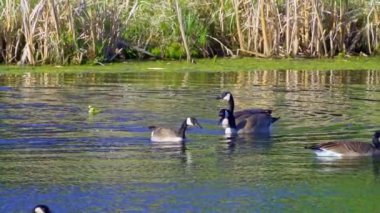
161, 134
262, 114
347, 148
41, 209
258, 124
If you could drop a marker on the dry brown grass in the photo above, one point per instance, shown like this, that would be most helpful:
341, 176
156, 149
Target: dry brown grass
76, 31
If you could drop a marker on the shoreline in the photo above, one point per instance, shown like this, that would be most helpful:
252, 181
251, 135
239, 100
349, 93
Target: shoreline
207, 65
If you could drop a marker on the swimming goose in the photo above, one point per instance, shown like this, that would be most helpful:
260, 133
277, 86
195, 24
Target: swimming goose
258, 124
41, 209
347, 148
161, 134
243, 114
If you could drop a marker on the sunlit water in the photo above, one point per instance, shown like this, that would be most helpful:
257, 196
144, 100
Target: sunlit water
53, 152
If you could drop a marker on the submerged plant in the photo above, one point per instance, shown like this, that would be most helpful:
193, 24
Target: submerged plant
92, 110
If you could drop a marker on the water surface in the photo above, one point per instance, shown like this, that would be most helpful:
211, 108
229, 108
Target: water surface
53, 152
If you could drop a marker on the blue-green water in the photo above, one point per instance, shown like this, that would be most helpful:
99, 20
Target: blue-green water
53, 152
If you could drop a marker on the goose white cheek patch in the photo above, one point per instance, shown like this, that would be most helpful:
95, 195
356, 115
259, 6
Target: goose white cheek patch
227, 97
38, 210
189, 122
225, 123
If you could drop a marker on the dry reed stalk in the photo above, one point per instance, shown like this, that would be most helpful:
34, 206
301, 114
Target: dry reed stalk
320, 36
377, 25
182, 30
294, 36
4, 29
368, 30
306, 23
266, 50
132, 11
77, 54
92, 14
236, 4
29, 26
287, 35
9, 30
342, 29
45, 49
221, 16
256, 39
257, 54
54, 16
313, 31
279, 29
331, 37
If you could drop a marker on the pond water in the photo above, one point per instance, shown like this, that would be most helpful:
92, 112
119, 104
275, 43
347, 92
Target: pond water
53, 152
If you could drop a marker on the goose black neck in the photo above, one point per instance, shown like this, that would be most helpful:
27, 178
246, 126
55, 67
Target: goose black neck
231, 103
231, 120
182, 129
375, 140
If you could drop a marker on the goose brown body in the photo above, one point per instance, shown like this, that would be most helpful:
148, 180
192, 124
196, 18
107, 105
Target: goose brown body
348, 148
161, 134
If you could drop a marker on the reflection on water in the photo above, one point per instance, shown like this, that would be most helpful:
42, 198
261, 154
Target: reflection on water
52, 151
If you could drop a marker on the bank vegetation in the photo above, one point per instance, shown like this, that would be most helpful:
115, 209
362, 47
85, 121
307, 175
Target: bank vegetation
80, 31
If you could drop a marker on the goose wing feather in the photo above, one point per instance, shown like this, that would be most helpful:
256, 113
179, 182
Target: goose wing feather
346, 147
248, 112
255, 123
242, 126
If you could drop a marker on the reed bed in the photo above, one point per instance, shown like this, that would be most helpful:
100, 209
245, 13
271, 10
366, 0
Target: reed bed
78, 31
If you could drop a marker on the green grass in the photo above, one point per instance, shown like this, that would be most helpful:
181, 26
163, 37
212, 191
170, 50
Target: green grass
211, 65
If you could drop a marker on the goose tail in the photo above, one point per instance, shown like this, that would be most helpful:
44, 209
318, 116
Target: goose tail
313, 147
274, 119
151, 127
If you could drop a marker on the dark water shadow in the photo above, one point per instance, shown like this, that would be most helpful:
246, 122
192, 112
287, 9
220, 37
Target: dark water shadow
174, 152
376, 167
349, 164
168, 147
255, 143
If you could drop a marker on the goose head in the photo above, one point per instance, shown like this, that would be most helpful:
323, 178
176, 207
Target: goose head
190, 121
225, 96
41, 209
